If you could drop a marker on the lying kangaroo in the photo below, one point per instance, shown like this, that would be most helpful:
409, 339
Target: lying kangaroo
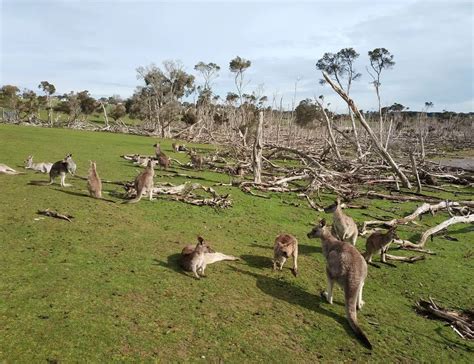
196, 258
285, 246
42, 167
144, 182
379, 241
345, 266
61, 168
196, 160
344, 228
7, 170
94, 184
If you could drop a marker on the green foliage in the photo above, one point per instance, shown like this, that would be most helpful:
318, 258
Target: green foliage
307, 112
107, 288
118, 111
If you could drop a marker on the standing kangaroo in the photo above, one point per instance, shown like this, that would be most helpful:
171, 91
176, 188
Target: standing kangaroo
379, 241
344, 228
144, 182
345, 266
285, 246
163, 160
42, 167
196, 160
94, 184
61, 168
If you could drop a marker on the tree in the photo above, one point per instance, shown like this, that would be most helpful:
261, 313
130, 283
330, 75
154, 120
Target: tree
209, 72
422, 128
380, 59
164, 87
30, 104
238, 66
49, 90
341, 66
307, 112
118, 111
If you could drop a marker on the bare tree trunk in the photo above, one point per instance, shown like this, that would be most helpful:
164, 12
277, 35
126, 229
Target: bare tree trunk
415, 172
378, 143
257, 150
331, 134
106, 119
380, 116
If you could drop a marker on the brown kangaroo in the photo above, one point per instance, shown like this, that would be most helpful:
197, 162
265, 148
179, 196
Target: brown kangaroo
163, 160
344, 228
379, 241
94, 184
345, 266
196, 258
144, 182
286, 246
196, 160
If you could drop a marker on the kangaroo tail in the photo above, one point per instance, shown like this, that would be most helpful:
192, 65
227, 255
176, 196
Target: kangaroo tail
133, 200
352, 318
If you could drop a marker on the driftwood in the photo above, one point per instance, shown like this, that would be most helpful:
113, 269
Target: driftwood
185, 193
404, 259
55, 214
462, 322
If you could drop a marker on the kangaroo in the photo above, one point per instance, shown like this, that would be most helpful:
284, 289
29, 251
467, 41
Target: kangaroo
285, 246
61, 168
141, 161
175, 147
344, 228
144, 182
196, 160
379, 241
163, 160
7, 170
345, 266
94, 184
40, 167
196, 258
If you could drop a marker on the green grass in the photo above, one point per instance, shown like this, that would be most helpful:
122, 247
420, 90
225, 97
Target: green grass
106, 287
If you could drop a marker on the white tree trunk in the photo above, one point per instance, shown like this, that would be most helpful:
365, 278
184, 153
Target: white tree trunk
378, 143
257, 151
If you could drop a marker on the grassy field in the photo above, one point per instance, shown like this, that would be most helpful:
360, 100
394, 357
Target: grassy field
106, 287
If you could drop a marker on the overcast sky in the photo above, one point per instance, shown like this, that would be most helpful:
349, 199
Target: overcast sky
97, 45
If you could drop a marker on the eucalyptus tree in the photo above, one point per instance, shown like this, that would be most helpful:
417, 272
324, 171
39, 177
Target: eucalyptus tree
49, 89
164, 88
380, 59
238, 66
340, 66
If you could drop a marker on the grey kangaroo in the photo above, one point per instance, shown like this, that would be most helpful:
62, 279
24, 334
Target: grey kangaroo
61, 168
346, 267
286, 246
344, 228
144, 182
379, 242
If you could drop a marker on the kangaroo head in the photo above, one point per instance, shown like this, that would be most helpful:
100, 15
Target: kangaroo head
317, 231
393, 232
29, 160
202, 246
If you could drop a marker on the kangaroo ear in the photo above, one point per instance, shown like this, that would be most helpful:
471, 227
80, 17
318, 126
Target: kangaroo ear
200, 239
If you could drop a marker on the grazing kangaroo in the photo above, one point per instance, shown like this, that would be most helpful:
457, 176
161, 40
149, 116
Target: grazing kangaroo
175, 147
344, 228
285, 246
196, 160
61, 168
42, 167
94, 184
144, 182
379, 241
7, 170
196, 258
345, 266
163, 160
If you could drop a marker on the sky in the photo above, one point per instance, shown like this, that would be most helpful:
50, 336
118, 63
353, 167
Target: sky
98, 45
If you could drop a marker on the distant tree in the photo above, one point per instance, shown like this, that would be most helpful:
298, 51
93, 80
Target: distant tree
118, 111
340, 67
209, 71
49, 90
29, 105
307, 112
9, 96
238, 66
380, 59
87, 103
161, 95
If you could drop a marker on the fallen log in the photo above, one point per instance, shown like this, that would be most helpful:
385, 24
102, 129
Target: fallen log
55, 214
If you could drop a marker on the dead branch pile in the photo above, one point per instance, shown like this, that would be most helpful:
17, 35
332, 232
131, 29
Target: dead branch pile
186, 193
462, 322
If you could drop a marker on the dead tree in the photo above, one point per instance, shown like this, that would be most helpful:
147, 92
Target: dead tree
331, 134
385, 155
415, 172
257, 150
